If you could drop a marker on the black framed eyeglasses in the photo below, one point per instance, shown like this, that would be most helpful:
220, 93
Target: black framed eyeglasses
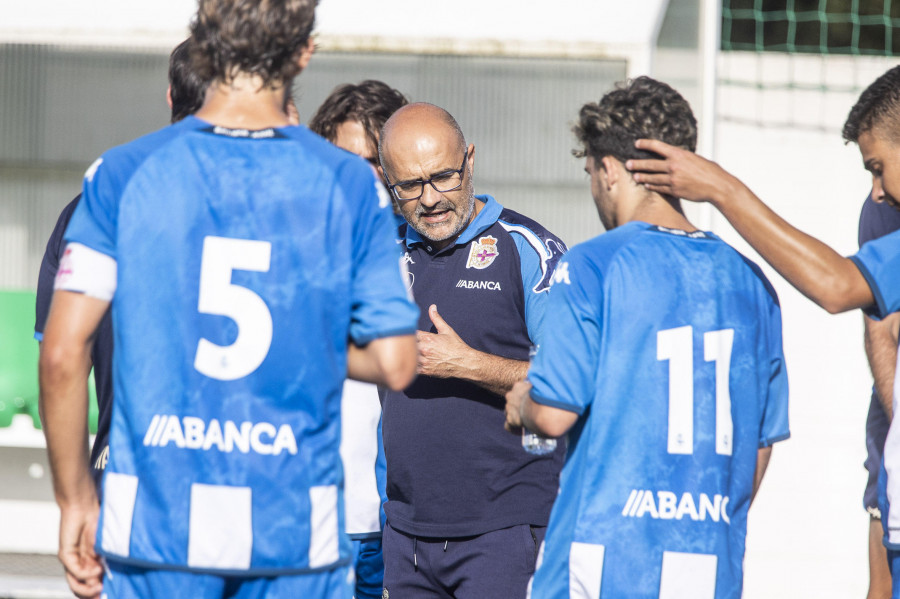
449, 180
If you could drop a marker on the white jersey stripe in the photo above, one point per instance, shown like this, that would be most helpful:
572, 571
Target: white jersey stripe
585, 570
323, 525
688, 576
892, 467
360, 411
119, 496
221, 530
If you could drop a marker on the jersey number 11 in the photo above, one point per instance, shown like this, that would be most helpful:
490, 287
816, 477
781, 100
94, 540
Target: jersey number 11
677, 346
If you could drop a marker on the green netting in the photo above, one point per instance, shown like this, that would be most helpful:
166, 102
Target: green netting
813, 26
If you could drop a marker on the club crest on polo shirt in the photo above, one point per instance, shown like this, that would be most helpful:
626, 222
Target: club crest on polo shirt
483, 253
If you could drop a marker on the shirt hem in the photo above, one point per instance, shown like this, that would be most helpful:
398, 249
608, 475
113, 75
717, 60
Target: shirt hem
365, 536
451, 531
873, 286
773, 440
382, 334
553, 403
249, 573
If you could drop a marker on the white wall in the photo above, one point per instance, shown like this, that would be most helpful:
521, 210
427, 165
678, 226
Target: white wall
808, 532
596, 27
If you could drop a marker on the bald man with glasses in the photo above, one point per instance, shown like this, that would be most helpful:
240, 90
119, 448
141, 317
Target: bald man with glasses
467, 505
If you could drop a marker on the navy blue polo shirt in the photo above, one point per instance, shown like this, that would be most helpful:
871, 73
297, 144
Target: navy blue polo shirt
453, 470
101, 353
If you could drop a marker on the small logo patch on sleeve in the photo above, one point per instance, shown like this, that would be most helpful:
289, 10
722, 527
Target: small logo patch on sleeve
561, 274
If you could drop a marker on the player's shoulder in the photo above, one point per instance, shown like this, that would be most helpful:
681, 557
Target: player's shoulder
605, 247
335, 167
123, 160
320, 150
737, 265
65, 216
516, 223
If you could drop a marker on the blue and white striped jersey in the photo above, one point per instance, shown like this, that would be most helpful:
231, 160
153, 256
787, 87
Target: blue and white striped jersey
668, 346
245, 260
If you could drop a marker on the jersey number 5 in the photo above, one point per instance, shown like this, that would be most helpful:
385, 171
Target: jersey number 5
677, 346
221, 256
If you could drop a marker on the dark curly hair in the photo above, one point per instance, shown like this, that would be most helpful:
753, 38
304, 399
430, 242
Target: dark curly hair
371, 103
878, 106
187, 89
259, 37
638, 108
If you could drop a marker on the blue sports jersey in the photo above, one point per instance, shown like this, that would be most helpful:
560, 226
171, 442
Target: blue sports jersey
668, 347
879, 262
245, 261
876, 219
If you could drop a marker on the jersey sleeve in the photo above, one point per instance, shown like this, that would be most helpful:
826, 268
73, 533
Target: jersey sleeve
381, 304
49, 267
775, 425
563, 371
94, 221
879, 263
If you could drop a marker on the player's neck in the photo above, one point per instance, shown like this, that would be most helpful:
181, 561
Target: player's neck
244, 103
657, 210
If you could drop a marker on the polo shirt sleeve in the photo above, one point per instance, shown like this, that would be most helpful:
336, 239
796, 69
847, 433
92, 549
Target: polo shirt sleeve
49, 267
536, 271
775, 412
381, 306
879, 263
563, 372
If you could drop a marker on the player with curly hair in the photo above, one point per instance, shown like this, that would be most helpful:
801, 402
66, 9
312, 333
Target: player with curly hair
254, 268
665, 367
870, 279
352, 115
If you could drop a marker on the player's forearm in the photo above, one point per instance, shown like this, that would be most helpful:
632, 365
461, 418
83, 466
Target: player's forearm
881, 351
64, 410
496, 374
389, 361
816, 270
762, 463
545, 420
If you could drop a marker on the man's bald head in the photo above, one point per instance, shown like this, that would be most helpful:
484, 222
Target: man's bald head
420, 119
429, 170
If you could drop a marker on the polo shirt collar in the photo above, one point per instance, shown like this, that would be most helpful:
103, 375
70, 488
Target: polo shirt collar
489, 214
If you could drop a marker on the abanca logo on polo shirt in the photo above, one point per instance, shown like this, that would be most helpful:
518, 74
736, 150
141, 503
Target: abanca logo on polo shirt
466, 284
